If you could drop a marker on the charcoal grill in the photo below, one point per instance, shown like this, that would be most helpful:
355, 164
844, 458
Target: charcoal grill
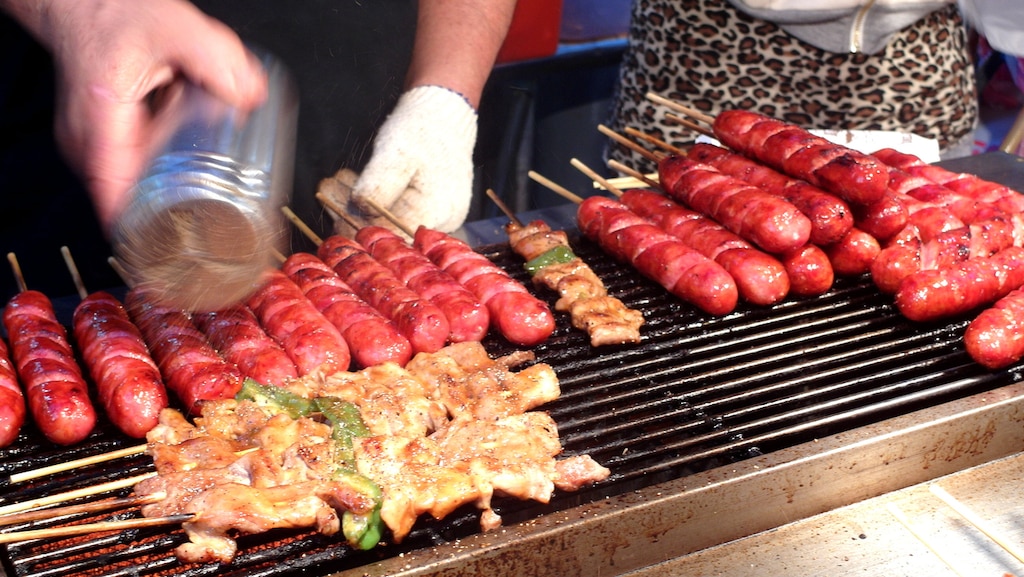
713, 429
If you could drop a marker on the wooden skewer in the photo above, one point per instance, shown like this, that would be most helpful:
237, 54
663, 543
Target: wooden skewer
633, 173
596, 177
556, 188
294, 218
979, 523
73, 269
278, 255
71, 530
695, 114
656, 141
649, 155
74, 494
341, 212
69, 465
503, 207
905, 521
689, 124
121, 272
16, 268
94, 507
390, 216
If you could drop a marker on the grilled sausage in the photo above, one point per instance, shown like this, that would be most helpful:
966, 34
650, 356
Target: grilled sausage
468, 319
189, 365
774, 225
942, 293
12, 399
236, 333
760, 278
421, 321
659, 256
809, 270
128, 381
830, 217
520, 317
372, 338
855, 177
995, 338
853, 255
311, 341
57, 394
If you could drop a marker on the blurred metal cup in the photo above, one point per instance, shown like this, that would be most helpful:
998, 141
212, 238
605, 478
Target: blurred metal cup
204, 220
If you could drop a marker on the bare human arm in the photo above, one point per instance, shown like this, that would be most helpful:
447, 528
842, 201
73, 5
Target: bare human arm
110, 55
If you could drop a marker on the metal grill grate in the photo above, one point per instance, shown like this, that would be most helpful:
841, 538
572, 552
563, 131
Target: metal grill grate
698, 393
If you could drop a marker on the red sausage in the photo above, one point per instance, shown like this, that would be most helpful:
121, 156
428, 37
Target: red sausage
830, 217
127, 378
372, 338
855, 177
468, 319
658, 255
421, 321
57, 394
853, 255
809, 270
760, 278
995, 338
12, 399
311, 341
520, 317
189, 365
941, 293
883, 219
236, 333
767, 221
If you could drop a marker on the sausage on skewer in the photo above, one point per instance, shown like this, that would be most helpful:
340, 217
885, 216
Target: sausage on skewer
58, 397
12, 399
468, 319
995, 338
372, 338
236, 333
520, 317
127, 378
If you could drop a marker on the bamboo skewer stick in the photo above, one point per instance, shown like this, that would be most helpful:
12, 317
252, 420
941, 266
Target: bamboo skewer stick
978, 522
333, 207
16, 269
689, 124
556, 188
73, 269
75, 464
595, 177
695, 114
649, 155
391, 217
72, 530
632, 173
74, 494
294, 218
503, 207
94, 507
905, 521
656, 141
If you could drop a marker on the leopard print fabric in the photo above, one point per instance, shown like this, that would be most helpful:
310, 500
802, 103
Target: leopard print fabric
709, 56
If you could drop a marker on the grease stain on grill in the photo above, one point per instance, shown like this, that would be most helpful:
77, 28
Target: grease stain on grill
697, 393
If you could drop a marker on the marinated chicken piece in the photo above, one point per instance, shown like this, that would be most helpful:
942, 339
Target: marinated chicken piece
574, 473
581, 293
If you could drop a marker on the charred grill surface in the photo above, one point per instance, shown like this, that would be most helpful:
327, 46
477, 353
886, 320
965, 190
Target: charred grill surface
697, 393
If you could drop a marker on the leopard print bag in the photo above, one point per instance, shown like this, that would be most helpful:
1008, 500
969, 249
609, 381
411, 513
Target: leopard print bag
710, 56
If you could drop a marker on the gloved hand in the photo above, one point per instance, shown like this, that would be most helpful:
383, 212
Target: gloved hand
335, 192
422, 163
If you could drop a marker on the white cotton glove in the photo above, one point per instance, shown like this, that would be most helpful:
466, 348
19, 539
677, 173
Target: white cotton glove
422, 164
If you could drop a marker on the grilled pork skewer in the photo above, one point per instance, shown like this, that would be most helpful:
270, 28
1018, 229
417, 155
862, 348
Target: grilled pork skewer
552, 264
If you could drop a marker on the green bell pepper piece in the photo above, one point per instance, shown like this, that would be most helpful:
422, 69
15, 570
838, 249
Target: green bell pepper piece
275, 398
555, 255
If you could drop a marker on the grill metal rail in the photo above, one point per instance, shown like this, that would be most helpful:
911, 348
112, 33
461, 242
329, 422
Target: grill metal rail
697, 394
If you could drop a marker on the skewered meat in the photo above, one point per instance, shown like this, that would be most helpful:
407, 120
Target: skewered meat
372, 338
468, 319
126, 376
520, 317
550, 260
830, 217
760, 278
236, 333
995, 338
771, 223
189, 365
57, 394
421, 321
853, 254
855, 177
12, 399
942, 293
312, 341
657, 255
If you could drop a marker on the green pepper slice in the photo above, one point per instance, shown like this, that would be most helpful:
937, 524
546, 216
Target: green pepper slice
555, 255
275, 398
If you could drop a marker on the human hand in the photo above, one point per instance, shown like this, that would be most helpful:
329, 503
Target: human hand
422, 164
111, 57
